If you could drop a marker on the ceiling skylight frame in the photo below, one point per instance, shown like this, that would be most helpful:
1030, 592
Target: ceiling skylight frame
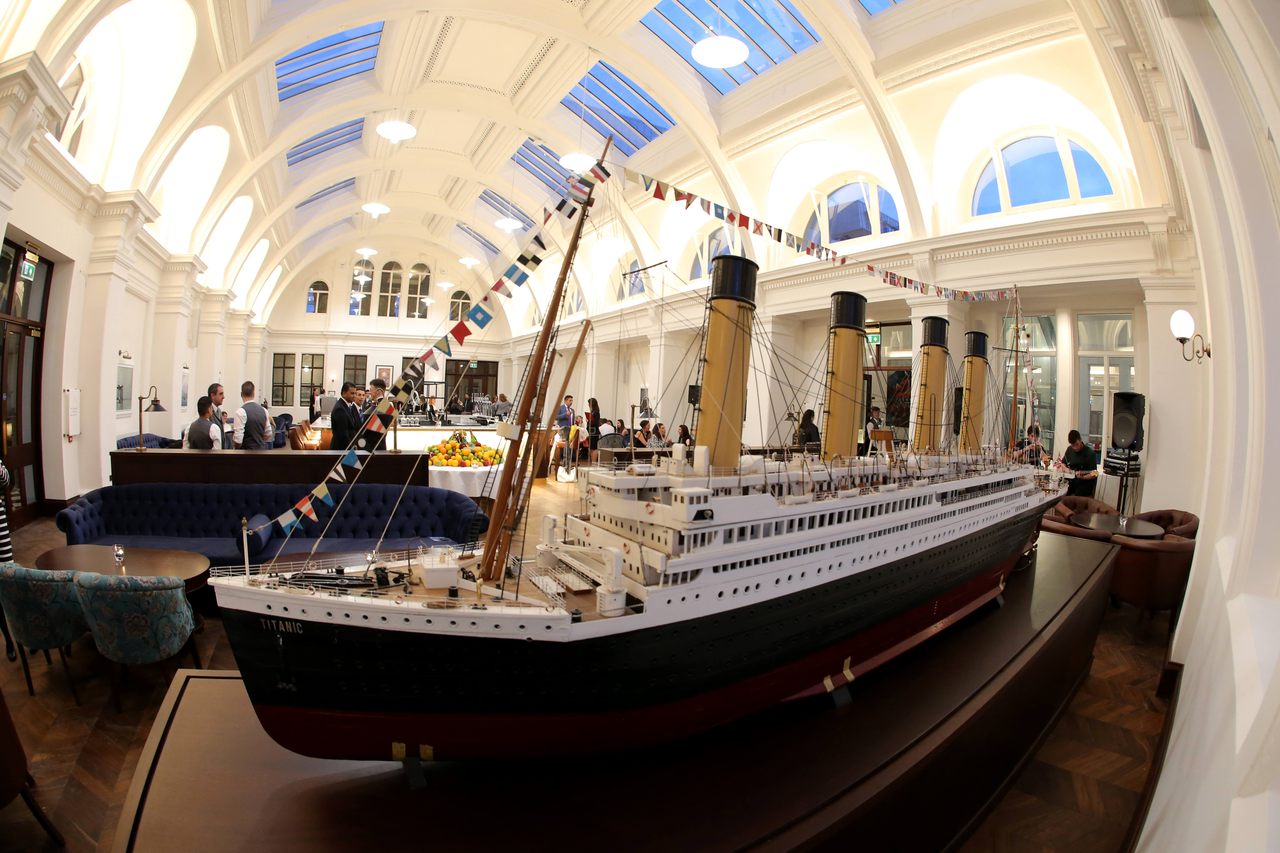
681, 23
327, 140
543, 164
478, 238
328, 60
506, 208
349, 183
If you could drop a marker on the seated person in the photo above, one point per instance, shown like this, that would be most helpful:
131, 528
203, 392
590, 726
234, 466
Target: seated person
1079, 457
502, 408
658, 438
455, 405
640, 438
1030, 450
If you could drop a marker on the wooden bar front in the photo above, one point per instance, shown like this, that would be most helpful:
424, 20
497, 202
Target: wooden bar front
912, 761
130, 467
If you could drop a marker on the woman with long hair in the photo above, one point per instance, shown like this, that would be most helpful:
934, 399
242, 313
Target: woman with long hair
593, 426
658, 438
683, 436
620, 427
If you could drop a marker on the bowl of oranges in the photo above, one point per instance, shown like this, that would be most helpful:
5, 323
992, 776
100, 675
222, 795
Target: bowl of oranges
461, 450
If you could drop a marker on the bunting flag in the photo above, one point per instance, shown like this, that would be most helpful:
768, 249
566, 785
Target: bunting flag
718, 211
566, 208
705, 205
337, 474
500, 286
443, 345
403, 396
579, 189
385, 406
479, 316
287, 520
516, 275
460, 332
535, 239
321, 492
304, 506
599, 172
351, 460
660, 190
374, 423
529, 260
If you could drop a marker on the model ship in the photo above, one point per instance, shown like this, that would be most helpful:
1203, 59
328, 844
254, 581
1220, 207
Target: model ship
687, 592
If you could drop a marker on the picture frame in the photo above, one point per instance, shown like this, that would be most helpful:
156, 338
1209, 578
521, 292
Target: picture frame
384, 372
186, 383
124, 388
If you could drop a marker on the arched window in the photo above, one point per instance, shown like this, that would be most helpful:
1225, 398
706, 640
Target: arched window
1038, 170
361, 287
857, 209
389, 290
318, 298
573, 301
419, 294
718, 243
631, 282
459, 305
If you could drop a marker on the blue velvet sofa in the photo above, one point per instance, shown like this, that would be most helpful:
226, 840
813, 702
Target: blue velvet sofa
149, 439
205, 518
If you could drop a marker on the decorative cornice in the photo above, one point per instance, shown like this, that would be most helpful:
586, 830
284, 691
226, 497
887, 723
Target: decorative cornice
972, 53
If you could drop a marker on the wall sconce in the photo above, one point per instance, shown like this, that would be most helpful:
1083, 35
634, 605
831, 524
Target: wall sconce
1183, 326
125, 354
154, 406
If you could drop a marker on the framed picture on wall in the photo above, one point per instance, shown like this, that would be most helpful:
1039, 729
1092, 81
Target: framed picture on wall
124, 387
383, 372
186, 382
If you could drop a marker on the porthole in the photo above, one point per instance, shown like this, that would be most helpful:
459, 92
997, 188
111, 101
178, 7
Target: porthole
365, 617
452, 622
428, 621
268, 606
346, 615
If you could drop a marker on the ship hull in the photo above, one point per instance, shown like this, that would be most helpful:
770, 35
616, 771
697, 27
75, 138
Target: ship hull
339, 691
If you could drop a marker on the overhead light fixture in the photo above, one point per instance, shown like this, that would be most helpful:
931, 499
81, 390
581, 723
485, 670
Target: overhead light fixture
375, 209
1183, 326
365, 252
577, 162
509, 224
468, 261
720, 52
397, 131
444, 284
362, 277
427, 300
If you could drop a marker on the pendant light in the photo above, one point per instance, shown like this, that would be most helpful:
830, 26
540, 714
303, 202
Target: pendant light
720, 51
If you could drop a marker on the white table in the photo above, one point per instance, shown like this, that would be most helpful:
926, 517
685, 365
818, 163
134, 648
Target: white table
472, 482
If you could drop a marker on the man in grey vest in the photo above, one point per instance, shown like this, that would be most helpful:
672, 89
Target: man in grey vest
203, 434
254, 429
217, 394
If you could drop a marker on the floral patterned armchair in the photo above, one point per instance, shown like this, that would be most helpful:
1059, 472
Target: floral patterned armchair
43, 613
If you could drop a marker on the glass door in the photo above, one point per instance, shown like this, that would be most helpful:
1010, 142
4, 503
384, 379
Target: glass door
24, 282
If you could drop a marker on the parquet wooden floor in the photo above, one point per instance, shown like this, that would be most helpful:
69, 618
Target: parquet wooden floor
1078, 793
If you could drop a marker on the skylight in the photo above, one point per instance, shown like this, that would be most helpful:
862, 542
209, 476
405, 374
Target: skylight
773, 30
612, 104
479, 238
875, 6
326, 192
328, 60
325, 141
506, 208
544, 164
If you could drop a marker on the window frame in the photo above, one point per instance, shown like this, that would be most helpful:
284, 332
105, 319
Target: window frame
283, 378
361, 292
816, 206
994, 153
308, 371
418, 292
390, 283
318, 298
459, 305
355, 368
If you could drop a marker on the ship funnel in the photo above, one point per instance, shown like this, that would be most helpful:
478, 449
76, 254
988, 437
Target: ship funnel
974, 388
931, 393
848, 339
728, 355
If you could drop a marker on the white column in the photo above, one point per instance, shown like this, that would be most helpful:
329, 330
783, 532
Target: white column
235, 354
211, 339
1066, 409
30, 103
172, 354
1176, 391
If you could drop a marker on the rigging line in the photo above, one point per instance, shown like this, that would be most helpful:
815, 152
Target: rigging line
396, 506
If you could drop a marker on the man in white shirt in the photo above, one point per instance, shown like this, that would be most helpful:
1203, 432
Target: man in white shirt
203, 434
254, 429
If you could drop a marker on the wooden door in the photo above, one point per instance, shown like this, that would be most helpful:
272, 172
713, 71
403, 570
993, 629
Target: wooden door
24, 282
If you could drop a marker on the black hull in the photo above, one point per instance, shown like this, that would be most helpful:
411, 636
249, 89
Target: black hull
657, 682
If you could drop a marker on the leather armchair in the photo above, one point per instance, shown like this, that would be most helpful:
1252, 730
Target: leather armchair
15, 779
1050, 524
1072, 504
1152, 574
1174, 521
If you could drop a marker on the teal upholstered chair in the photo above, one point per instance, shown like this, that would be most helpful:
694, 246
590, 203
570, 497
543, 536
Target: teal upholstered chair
137, 620
43, 614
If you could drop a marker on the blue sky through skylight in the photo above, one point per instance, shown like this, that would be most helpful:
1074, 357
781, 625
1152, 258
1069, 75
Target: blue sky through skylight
773, 30
544, 164
612, 104
328, 60
478, 238
505, 208
350, 131
326, 192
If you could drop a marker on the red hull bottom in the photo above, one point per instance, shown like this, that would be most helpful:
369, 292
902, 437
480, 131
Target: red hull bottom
394, 736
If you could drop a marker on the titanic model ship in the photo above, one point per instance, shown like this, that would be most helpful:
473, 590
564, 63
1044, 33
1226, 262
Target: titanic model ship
685, 593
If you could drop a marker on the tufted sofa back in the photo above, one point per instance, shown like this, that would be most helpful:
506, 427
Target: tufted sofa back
198, 510
149, 439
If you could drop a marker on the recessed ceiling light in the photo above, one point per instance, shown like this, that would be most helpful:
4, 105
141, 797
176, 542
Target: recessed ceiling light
397, 131
445, 284
375, 209
576, 161
366, 252
363, 277
720, 52
508, 224
468, 261
427, 300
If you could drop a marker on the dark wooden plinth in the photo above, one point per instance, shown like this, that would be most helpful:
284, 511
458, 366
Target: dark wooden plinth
911, 762
257, 466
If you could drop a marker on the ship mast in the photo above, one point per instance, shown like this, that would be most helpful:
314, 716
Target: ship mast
1017, 365
506, 511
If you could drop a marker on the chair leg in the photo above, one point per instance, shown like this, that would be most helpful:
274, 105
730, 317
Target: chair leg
42, 818
117, 676
31, 780
10, 650
47, 659
26, 670
67, 669
195, 653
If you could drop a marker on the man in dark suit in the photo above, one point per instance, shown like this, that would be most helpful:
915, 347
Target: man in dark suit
564, 420
373, 440
345, 419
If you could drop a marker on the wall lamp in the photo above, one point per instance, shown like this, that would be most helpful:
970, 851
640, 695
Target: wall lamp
1183, 326
154, 406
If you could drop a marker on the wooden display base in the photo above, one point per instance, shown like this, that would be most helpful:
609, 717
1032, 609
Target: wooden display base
910, 757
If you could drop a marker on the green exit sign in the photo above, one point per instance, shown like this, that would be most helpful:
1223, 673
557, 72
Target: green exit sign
873, 338
27, 270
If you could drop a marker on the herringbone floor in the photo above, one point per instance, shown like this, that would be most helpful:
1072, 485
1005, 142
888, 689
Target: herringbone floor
1077, 794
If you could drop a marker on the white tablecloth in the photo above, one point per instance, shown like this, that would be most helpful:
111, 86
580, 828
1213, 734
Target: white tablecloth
472, 482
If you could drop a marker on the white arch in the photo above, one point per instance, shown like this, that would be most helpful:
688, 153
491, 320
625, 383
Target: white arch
248, 272
187, 185
216, 253
131, 77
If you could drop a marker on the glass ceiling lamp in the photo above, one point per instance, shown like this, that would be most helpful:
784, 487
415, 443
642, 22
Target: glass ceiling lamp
577, 162
468, 261
366, 252
395, 130
444, 284
375, 209
506, 223
719, 51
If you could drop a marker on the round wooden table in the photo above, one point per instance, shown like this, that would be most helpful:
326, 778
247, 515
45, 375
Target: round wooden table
138, 562
1118, 525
